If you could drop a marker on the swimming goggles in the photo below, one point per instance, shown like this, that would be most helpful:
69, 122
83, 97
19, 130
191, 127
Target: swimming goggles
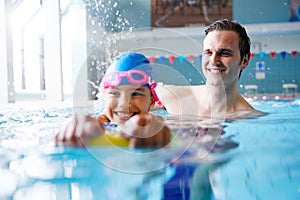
134, 77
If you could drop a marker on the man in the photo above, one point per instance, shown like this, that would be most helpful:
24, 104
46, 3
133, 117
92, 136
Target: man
226, 52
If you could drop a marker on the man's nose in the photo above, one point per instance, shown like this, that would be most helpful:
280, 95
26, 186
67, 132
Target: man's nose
215, 58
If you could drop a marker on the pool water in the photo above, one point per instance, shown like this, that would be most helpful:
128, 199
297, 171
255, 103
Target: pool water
267, 162
252, 159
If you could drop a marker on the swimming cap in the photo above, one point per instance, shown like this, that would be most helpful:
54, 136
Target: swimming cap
131, 61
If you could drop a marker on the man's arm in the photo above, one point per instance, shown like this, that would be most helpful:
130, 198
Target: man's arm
165, 94
179, 100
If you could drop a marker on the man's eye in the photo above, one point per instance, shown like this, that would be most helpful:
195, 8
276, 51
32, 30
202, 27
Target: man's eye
207, 53
226, 53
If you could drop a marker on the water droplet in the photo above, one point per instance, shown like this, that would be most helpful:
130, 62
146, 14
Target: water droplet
115, 4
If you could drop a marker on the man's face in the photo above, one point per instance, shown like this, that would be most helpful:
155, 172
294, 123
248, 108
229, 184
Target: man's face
221, 59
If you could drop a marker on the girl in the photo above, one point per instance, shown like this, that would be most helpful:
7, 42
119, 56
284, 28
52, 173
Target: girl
128, 95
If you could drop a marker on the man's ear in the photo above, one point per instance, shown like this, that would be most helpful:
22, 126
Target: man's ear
245, 62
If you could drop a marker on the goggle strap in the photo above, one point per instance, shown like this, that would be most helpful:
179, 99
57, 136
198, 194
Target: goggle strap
152, 88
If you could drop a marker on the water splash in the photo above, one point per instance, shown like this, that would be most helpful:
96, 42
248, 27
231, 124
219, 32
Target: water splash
106, 19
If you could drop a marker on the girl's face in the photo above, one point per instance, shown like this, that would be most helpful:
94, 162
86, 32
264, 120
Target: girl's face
124, 101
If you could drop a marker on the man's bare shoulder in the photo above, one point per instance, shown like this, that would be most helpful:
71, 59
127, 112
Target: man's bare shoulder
168, 93
165, 88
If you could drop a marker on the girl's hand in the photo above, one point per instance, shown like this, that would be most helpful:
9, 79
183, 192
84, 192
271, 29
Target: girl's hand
146, 131
78, 131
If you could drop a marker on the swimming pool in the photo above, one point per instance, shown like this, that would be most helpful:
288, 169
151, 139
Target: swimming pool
252, 159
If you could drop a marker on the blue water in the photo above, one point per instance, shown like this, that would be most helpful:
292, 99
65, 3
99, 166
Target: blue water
252, 159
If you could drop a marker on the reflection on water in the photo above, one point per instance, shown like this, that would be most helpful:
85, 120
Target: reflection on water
242, 159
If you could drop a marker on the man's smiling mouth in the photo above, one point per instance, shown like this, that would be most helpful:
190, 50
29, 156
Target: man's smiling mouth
216, 70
